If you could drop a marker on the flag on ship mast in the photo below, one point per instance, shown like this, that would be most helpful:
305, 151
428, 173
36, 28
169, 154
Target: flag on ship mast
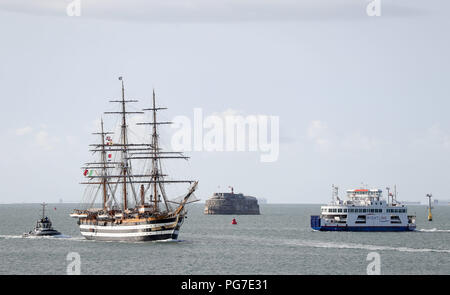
88, 173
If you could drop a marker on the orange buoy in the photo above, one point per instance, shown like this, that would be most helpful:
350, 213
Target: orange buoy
234, 221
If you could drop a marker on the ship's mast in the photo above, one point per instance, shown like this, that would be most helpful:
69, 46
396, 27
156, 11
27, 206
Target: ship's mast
123, 147
43, 210
103, 165
394, 197
135, 151
388, 194
154, 160
155, 153
124, 152
104, 173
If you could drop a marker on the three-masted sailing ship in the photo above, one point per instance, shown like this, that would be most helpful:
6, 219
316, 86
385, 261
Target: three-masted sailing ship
134, 206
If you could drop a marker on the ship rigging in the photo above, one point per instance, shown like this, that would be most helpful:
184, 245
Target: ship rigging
151, 216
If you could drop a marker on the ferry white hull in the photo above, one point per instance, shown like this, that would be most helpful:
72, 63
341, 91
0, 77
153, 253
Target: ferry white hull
365, 210
162, 230
372, 223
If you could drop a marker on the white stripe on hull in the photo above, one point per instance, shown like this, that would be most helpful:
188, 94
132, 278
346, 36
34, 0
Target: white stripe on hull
124, 227
126, 235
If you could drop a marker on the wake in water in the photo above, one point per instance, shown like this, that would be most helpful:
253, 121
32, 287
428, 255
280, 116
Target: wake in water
433, 230
10, 237
318, 244
56, 237
335, 245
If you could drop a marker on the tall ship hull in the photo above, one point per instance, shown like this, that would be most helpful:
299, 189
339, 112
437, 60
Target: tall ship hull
364, 211
138, 230
135, 206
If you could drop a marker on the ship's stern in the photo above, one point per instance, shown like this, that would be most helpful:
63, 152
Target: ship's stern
315, 222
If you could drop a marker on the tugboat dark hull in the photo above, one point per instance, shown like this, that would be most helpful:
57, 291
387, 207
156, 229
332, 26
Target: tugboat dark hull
42, 233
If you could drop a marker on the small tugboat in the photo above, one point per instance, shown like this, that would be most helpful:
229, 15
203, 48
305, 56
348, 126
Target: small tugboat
43, 227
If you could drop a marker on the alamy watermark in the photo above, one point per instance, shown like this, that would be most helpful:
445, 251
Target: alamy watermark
74, 266
219, 133
374, 8
74, 8
374, 267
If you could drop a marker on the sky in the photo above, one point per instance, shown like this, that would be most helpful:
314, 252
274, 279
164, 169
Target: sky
360, 99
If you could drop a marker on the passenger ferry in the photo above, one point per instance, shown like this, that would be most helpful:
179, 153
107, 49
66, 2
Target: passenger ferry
365, 210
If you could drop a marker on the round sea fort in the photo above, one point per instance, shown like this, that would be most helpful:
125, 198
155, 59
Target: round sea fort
231, 203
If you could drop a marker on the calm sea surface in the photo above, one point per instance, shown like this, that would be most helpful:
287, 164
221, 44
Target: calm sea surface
279, 241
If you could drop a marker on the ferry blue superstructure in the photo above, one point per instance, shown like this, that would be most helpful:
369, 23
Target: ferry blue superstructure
364, 210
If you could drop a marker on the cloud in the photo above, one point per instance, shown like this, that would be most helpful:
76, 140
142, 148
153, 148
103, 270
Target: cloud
357, 141
319, 133
39, 136
23, 131
176, 11
439, 136
45, 141
435, 136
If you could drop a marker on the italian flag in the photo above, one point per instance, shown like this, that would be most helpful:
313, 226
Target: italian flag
88, 173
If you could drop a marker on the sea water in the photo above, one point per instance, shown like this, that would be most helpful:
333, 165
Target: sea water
279, 241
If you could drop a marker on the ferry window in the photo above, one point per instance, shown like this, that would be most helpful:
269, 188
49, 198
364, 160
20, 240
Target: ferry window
339, 210
345, 210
